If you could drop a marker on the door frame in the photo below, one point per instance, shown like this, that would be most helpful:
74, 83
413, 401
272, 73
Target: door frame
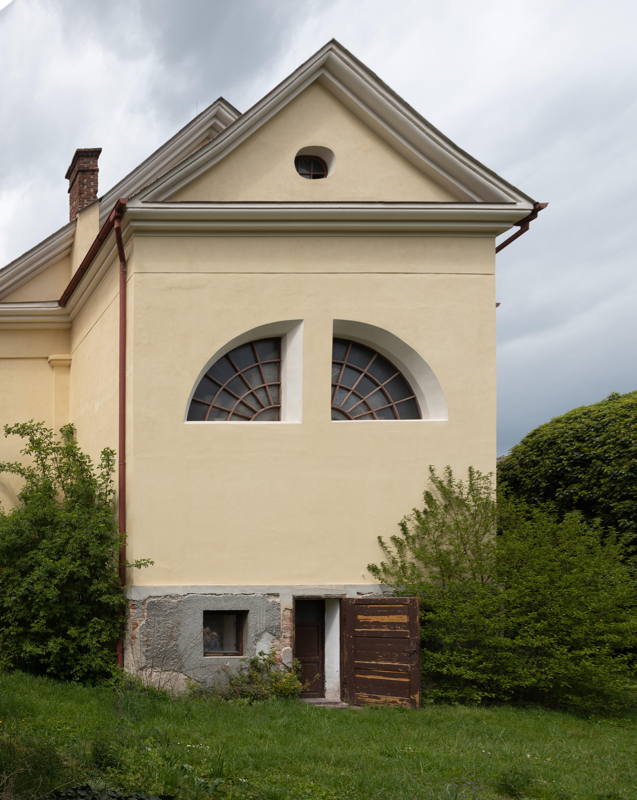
332, 642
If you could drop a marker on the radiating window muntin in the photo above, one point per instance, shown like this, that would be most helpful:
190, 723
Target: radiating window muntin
366, 385
243, 385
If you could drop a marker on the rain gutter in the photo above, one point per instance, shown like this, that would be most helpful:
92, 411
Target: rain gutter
523, 225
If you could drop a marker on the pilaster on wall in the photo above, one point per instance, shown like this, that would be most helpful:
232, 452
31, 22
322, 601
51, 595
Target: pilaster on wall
61, 366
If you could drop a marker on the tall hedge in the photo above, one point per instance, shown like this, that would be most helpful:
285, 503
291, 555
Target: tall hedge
543, 612
585, 460
60, 597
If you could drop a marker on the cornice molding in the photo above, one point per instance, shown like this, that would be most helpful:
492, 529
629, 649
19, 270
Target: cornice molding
488, 219
29, 264
33, 315
60, 360
373, 102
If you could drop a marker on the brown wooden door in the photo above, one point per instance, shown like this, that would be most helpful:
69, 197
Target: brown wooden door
309, 644
381, 651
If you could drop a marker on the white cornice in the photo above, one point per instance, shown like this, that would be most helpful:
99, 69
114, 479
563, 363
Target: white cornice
204, 127
373, 102
488, 219
33, 315
28, 265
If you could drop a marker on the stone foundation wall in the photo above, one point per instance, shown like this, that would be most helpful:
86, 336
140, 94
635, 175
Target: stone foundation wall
164, 642
165, 637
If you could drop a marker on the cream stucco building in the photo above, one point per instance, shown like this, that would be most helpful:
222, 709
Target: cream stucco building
334, 227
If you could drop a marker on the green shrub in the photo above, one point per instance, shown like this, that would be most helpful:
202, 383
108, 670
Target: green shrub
262, 677
585, 460
540, 612
61, 602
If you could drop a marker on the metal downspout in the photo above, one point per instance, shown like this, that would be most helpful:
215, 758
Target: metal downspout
121, 433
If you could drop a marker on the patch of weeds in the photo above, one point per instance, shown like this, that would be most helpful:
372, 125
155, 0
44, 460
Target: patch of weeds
106, 754
462, 790
263, 677
86, 792
29, 767
515, 783
609, 796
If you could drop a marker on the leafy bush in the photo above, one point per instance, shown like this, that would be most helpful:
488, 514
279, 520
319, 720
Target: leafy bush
585, 460
540, 612
263, 677
61, 602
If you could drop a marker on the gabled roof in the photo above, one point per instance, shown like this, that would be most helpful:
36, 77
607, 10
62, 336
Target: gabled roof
380, 108
198, 132
486, 202
204, 128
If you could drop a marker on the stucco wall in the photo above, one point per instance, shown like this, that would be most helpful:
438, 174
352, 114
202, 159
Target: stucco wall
29, 389
297, 503
93, 386
365, 167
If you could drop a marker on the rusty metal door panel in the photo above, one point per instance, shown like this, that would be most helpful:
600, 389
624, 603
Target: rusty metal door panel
381, 651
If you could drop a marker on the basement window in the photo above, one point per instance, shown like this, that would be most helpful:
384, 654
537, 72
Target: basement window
223, 633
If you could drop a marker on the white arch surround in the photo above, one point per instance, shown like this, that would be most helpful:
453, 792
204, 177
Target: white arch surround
422, 378
291, 334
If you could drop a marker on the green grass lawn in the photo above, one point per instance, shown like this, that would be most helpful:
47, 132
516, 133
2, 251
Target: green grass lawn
54, 733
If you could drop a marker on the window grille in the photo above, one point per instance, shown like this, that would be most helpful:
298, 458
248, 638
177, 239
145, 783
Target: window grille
243, 385
366, 385
311, 167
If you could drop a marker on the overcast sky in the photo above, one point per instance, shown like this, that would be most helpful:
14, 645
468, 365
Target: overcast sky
544, 93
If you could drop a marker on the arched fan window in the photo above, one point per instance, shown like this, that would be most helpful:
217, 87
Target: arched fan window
243, 385
366, 385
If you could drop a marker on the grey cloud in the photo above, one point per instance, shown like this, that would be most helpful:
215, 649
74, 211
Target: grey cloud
542, 95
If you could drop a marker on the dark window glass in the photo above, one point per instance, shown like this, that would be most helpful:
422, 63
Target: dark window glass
311, 167
242, 385
366, 385
223, 632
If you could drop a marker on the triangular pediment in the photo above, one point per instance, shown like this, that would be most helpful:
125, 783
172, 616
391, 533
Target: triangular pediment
383, 151
362, 165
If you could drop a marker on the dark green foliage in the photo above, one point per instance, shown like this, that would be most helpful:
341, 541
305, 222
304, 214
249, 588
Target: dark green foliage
585, 460
539, 613
60, 599
262, 677
87, 793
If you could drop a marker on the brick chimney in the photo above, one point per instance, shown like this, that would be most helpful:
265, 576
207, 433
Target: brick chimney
82, 177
